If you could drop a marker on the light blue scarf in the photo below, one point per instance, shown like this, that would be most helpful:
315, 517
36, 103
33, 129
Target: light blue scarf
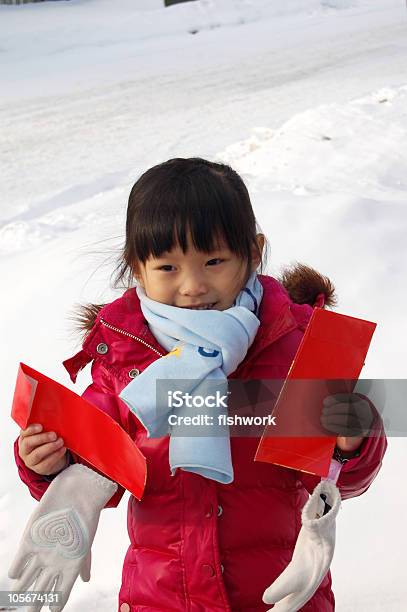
205, 347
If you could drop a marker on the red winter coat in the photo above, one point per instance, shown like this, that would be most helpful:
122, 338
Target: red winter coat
197, 545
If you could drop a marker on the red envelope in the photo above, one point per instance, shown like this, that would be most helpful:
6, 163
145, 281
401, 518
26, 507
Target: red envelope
329, 360
86, 430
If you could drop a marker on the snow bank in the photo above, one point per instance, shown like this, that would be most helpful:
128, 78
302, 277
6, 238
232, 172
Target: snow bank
353, 148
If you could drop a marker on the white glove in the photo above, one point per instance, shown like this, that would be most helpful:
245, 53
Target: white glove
313, 552
57, 540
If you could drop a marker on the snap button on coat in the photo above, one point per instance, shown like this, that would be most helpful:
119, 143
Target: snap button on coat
102, 348
134, 372
220, 510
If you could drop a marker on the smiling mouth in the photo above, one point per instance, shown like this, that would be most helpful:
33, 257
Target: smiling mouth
201, 306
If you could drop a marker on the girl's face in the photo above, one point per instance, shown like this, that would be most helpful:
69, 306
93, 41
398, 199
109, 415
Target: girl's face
196, 279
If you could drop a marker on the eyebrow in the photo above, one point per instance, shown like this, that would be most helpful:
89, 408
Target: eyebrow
169, 255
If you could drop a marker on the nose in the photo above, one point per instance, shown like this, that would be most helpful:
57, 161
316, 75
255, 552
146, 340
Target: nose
193, 285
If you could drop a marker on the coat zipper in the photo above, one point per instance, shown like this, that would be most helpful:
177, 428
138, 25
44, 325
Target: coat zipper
129, 335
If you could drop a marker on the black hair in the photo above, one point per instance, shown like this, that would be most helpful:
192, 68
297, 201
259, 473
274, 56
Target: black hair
187, 195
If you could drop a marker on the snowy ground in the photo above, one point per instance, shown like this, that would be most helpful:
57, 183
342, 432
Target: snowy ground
306, 98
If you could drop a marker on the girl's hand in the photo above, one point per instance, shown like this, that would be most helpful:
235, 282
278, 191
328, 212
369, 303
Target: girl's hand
41, 451
347, 415
348, 445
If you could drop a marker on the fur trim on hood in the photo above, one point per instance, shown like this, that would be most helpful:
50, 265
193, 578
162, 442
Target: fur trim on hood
307, 286
84, 317
303, 284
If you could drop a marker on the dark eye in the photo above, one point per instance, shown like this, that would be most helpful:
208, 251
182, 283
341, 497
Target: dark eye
165, 268
212, 262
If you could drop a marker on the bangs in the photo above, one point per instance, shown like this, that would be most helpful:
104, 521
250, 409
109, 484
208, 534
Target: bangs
186, 199
202, 205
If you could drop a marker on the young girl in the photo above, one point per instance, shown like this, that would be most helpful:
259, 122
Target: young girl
208, 535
